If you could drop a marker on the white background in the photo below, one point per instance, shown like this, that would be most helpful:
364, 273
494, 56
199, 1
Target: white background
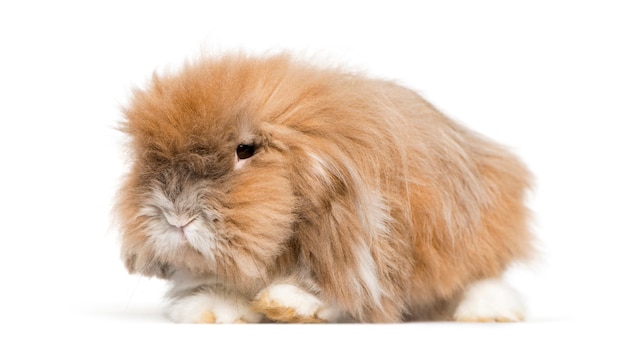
546, 78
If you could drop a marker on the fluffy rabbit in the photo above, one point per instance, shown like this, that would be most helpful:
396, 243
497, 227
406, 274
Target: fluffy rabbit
267, 188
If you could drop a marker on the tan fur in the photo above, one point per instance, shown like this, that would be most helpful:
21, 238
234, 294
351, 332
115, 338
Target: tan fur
279, 313
358, 186
207, 318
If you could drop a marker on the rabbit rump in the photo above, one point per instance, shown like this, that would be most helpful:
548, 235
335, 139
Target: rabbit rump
272, 189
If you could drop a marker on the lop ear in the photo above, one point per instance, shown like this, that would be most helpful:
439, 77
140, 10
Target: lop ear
342, 216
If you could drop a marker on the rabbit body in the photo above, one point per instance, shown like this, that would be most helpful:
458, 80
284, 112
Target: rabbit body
270, 188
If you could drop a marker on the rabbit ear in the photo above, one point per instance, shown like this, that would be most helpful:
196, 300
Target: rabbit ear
323, 174
342, 217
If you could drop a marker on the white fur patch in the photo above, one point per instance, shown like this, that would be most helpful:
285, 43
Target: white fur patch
321, 168
171, 225
490, 300
225, 307
374, 213
368, 272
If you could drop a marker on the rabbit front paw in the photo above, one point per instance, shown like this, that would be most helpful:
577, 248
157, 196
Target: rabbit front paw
288, 303
212, 307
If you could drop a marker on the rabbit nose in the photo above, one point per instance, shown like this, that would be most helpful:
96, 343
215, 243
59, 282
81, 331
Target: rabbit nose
180, 222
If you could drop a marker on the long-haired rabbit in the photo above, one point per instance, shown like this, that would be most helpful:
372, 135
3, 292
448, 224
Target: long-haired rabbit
269, 188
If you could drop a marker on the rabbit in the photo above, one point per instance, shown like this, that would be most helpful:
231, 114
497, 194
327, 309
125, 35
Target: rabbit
271, 188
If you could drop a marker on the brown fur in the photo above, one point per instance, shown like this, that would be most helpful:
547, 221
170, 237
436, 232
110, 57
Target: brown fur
343, 163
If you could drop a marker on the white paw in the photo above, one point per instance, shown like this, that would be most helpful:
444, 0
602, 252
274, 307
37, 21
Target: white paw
490, 301
286, 302
212, 307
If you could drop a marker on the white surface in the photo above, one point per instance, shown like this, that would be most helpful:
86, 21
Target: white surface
545, 77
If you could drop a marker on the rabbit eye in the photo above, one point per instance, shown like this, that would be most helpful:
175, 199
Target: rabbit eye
245, 151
